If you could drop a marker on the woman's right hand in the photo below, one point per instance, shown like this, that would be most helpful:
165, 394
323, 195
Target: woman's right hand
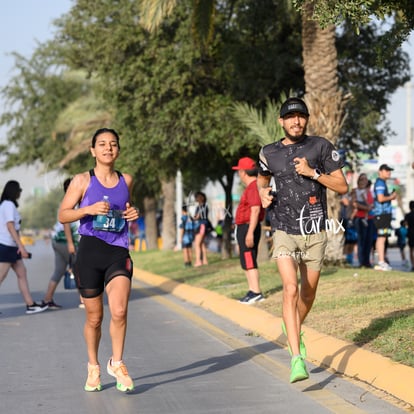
23, 252
99, 208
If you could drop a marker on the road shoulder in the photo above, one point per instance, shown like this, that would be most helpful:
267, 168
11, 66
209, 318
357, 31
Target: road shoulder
323, 350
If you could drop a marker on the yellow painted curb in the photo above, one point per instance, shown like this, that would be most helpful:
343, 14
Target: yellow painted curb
343, 357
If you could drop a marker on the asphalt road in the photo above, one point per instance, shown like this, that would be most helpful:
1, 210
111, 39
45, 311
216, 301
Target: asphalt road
182, 358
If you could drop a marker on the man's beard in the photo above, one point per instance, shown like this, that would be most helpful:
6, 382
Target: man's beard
294, 138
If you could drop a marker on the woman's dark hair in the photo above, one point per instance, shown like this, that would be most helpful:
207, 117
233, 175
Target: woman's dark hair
66, 184
102, 131
11, 192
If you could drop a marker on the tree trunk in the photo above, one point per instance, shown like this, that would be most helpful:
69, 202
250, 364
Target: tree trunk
169, 231
151, 231
226, 245
326, 102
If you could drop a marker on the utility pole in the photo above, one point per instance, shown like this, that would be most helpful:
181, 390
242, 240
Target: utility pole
178, 204
409, 141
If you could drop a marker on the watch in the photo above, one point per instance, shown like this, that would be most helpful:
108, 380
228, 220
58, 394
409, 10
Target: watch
316, 174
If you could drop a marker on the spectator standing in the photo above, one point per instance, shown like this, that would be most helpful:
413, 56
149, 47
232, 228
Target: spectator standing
103, 262
64, 242
186, 236
409, 218
132, 234
363, 202
142, 236
219, 233
200, 229
249, 215
383, 214
351, 235
12, 250
401, 234
303, 167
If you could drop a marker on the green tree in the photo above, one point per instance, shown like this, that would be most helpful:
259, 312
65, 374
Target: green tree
41, 212
371, 84
327, 101
359, 74
172, 101
360, 13
34, 99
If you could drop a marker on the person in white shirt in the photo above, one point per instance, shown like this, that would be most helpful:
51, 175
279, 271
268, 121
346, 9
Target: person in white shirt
12, 250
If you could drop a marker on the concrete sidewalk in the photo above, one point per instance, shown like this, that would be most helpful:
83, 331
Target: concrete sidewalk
343, 357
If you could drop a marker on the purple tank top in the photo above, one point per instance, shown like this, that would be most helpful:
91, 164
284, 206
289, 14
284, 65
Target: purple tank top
118, 197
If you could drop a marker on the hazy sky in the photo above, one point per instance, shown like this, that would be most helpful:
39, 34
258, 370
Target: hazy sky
27, 22
24, 24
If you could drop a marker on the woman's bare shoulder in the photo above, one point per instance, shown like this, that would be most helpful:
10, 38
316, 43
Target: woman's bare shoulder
81, 180
127, 178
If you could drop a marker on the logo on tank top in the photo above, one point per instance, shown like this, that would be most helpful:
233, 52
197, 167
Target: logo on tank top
312, 223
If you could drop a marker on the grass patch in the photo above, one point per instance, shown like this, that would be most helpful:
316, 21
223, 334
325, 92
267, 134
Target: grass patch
372, 309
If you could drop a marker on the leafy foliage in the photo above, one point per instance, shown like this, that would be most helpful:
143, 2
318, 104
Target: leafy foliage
154, 12
361, 12
264, 126
172, 102
371, 85
41, 212
34, 99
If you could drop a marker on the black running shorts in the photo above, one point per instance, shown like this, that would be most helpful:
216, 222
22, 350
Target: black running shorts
97, 263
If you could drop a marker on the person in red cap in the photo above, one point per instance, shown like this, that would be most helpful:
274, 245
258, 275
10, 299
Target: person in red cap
249, 214
302, 167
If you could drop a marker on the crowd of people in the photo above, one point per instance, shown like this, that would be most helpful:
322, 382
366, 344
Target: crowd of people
367, 215
194, 229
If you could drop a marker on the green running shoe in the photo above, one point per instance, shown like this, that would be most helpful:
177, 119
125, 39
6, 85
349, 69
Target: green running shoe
302, 347
298, 370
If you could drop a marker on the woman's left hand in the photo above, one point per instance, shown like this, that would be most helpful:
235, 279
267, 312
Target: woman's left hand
131, 213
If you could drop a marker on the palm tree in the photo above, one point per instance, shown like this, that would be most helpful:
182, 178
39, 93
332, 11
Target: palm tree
155, 11
263, 125
325, 100
266, 127
78, 122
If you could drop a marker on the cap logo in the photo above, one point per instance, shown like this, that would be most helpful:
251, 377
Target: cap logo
293, 106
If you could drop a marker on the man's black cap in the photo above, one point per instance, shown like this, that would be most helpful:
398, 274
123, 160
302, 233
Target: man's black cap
293, 105
385, 167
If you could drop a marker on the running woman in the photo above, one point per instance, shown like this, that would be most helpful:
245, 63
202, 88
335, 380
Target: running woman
100, 199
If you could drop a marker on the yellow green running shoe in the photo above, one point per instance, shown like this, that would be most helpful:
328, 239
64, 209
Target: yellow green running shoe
302, 347
298, 370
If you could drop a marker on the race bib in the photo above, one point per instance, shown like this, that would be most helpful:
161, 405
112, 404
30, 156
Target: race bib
113, 221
